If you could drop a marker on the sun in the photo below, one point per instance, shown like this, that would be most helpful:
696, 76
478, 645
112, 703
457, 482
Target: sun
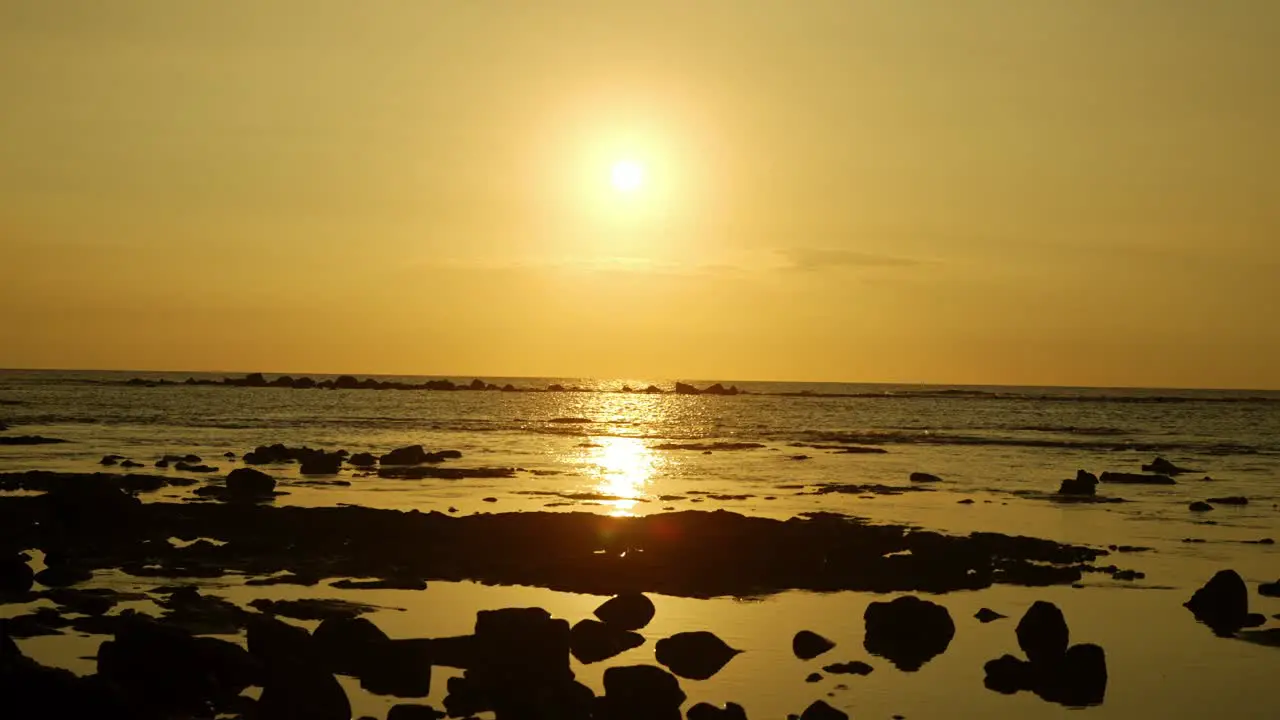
627, 176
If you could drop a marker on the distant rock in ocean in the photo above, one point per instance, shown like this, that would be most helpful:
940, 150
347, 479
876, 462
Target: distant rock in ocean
1084, 483
1160, 466
29, 440
1135, 479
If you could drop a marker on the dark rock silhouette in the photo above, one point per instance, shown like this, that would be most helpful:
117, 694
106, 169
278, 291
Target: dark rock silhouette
808, 645
813, 678
924, 477
249, 483
819, 710
591, 641
322, 463
640, 692
1160, 466
629, 611
387, 583
855, 667
517, 666
312, 608
188, 467
417, 472
685, 389
693, 554
16, 576
707, 711
1042, 633
165, 671
907, 631
986, 615
347, 644
1229, 500
1199, 506
109, 460
295, 682
719, 389
416, 455
1084, 483
363, 459
414, 712
1269, 589
1135, 479
31, 690
29, 440
694, 655
1075, 676
130, 464
1223, 604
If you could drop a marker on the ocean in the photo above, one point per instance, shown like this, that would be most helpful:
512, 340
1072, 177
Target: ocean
779, 450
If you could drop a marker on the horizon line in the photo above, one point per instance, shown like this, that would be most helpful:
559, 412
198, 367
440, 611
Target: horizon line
239, 373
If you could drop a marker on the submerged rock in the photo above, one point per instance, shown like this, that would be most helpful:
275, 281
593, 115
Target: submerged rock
908, 631
855, 667
1084, 483
707, 711
1074, 676
248, 483
820, 710
694, 655
1042, 633
629, 611
591, 641
1229, 500
363, 459
808, 645
1269, 589
1161, 466
641, 692
1135, 479
924, 477
1223, 604
986, 615
1199, 506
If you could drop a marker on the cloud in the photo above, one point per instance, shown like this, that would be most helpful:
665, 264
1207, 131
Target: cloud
810, 259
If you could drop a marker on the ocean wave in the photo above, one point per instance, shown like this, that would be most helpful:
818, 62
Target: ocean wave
930, 438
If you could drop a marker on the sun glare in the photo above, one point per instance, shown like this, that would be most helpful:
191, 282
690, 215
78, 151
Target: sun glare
627, 176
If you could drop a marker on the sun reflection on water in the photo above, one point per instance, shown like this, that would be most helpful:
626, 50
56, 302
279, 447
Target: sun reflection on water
622, 468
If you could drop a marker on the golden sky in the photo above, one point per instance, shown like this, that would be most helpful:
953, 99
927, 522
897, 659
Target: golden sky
1052, 192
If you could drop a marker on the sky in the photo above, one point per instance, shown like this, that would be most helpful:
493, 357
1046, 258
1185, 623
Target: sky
1061, 192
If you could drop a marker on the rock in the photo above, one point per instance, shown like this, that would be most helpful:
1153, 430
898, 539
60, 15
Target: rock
411, 455
393, 583
229, 455
1199, 506
312, 608
856, 667
819, 710
1008, 675
16, 576
363, 459
685, 389
808, 645
694, 655
629, 611
1164, 467
109, 460
322, 464
641, 692
1081, 680
63, 575
1135, 479
707, 711
29, 440
1269, 589
719, 389
1084, 483
296, 684
986, 615
414, 712
170, 673
923, 477
189, 467
1229, 500
907, 631
130, 464
346, 643
1127, 575
1042, 633
591, 641
247, 482
1222, 604
398, 668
